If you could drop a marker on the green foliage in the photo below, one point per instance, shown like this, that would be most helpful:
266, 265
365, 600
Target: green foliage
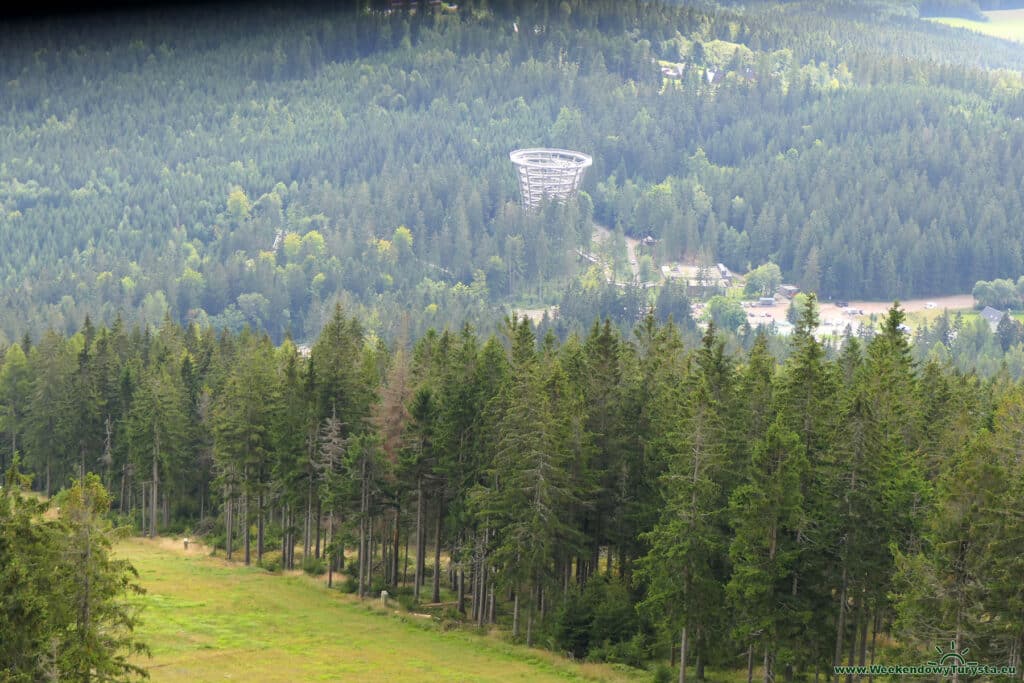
65, 616
108, 212
783, 506
725, 313
662, 674
314, 566
272, 561
598, 622
763, 280
999, 293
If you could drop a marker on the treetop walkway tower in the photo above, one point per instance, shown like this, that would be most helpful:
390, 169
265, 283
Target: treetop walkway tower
549, 174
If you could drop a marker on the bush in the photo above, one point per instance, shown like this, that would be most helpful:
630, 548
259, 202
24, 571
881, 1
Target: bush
662, 674
217, 541
407, 601
632, 652
451, 619
572, 625
272, 561
599, 622
205, 526
314, 566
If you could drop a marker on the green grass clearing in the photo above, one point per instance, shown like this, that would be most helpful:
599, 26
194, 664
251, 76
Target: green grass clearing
1007, 24
206, 619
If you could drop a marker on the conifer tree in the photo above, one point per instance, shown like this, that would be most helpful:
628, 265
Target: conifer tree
685, 566
767, 515
156, 432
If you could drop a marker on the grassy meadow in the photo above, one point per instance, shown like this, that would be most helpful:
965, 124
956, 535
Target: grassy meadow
1008, 24
206, 619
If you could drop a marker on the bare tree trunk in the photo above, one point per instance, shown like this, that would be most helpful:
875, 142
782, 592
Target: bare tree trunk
319, 520
461, 603
363, 508
153, 494
229, 522
682, 655
396, 543
529, 622
144, 509
120, 499
490, 605
259, 529
769, 675
874, 634
308, 526
418, 573
330, 557
284, 536
362, 557
515, 616
453, 576
863, 656
750, 663
840, 626
405, 568
853, 641
700, 659
245, 524
436, 595
369, 554
482, 608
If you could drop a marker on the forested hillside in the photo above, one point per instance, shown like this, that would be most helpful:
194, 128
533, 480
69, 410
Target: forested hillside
250, 165
608, 497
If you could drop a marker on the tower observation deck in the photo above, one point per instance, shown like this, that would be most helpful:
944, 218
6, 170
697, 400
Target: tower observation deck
552, 174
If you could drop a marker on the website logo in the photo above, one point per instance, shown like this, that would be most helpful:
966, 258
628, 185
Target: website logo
947, 665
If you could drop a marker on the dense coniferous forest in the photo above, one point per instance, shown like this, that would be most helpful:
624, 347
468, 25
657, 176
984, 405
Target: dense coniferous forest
609, 497
253, 164
256, 263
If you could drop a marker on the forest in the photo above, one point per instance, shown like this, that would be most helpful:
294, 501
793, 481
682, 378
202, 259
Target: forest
235, 167
614, 498
259, 270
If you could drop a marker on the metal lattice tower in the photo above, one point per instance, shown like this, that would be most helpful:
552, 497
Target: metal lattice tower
549, 174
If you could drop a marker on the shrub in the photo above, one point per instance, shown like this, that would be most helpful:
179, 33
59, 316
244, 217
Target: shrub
407, 601
217, 541
314, 566
272, 561
572, 625
662, 674
599, 622
632, 652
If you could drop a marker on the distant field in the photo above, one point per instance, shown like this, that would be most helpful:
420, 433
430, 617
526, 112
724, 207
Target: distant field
207, 620
1007, 23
